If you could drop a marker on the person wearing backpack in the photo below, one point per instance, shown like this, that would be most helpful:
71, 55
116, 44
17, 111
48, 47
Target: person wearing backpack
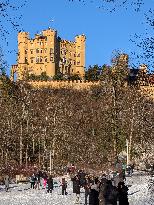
110, 194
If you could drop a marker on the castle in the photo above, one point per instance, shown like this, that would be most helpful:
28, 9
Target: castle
49, 53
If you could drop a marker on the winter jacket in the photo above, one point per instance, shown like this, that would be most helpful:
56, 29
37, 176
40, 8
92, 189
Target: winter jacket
50, 183
111, 195
102, 190
94, 194
123, 195
76, 186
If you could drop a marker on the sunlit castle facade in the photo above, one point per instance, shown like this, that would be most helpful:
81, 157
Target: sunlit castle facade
49, 53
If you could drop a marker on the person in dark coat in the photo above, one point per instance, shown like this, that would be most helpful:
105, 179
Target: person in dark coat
103, 185
82, 175
110, 194
50, 184
87, 189
123, 194
6, 181
32, 181
64, 186
76, 187
94, 193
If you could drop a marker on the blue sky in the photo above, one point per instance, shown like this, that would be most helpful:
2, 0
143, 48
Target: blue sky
105, 31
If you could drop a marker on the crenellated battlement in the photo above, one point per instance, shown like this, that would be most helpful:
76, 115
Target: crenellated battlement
77, 84
81, 85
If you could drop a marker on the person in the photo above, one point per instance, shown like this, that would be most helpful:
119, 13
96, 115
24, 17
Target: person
87, 189
50, 184
123, 194
116, 179
103, 185
110, 194
129, 170
32, 181
44, 179
94, 193
6, 181
64, 186
76, 187
82, 175
39, 179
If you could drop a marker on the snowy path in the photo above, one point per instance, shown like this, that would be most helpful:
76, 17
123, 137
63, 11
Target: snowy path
22, 195
139, 193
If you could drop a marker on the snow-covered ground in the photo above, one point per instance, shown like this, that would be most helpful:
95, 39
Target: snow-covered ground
141, 189
139, 194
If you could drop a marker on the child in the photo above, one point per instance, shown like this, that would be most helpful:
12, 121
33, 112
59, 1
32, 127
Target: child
64, 186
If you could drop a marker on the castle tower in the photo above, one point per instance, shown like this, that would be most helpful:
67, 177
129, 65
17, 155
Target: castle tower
80, 54
51, 47
23, 38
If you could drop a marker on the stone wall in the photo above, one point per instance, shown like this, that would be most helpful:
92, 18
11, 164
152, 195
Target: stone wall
147, 90
63, 84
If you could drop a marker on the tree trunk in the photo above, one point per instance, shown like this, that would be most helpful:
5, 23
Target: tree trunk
131, 135
26, 155
39, 154
21, 133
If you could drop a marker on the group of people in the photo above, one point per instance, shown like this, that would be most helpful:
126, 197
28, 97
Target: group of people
105, 190
43, 180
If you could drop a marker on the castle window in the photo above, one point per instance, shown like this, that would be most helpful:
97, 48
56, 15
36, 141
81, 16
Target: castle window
51, 50
45, 43
26, 51
64, 60
37, 59
46, 59
45, 50
72, 70
41, 51
26, 60
78, 63
37, 50
31, 51
74, 55
41, 43
32, 60
41, 59
78, 55
74, 63
51, 58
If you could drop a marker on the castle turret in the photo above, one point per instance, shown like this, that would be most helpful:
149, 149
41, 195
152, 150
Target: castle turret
51, 46
23, 38
80, 54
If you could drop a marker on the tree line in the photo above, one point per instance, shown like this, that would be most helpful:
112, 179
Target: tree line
79, 126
